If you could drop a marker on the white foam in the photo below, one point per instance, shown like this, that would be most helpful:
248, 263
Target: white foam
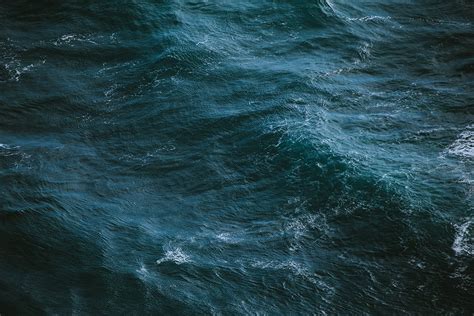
370, 18
175, 255
15, 68
142, 270
67, 37
464, 239
464, 145
228, 238
301, 226
143, 273
73, 38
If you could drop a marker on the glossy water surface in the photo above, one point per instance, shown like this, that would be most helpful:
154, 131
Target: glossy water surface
236, 157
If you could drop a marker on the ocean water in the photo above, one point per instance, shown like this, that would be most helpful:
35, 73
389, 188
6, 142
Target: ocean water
236, 157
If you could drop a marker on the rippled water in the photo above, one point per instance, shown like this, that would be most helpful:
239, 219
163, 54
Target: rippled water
236, 157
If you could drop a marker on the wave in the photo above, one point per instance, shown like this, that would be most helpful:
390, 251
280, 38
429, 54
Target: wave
236, 157
463, 146
464, 239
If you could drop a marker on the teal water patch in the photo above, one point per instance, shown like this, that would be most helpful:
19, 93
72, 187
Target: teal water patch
273, 157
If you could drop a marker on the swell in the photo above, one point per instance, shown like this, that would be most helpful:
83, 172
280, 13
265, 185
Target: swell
224, 157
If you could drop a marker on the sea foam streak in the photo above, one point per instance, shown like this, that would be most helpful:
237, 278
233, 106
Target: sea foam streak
464, 239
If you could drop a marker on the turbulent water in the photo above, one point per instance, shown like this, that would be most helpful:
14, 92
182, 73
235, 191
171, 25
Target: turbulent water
236, 157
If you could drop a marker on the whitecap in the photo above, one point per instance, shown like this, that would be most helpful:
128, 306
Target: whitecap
175, 255
370, 18
225, 237
301, 226
142, 270
16, 69
143, 273
464, 239
463, 146
74, 38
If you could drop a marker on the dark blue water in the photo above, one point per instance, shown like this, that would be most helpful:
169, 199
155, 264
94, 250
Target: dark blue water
236, 157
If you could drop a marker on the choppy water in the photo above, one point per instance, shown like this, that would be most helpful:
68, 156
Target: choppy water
236, 157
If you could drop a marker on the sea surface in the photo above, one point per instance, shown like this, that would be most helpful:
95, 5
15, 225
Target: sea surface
236, 157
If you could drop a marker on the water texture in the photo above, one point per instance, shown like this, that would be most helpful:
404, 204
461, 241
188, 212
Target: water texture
236, 157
